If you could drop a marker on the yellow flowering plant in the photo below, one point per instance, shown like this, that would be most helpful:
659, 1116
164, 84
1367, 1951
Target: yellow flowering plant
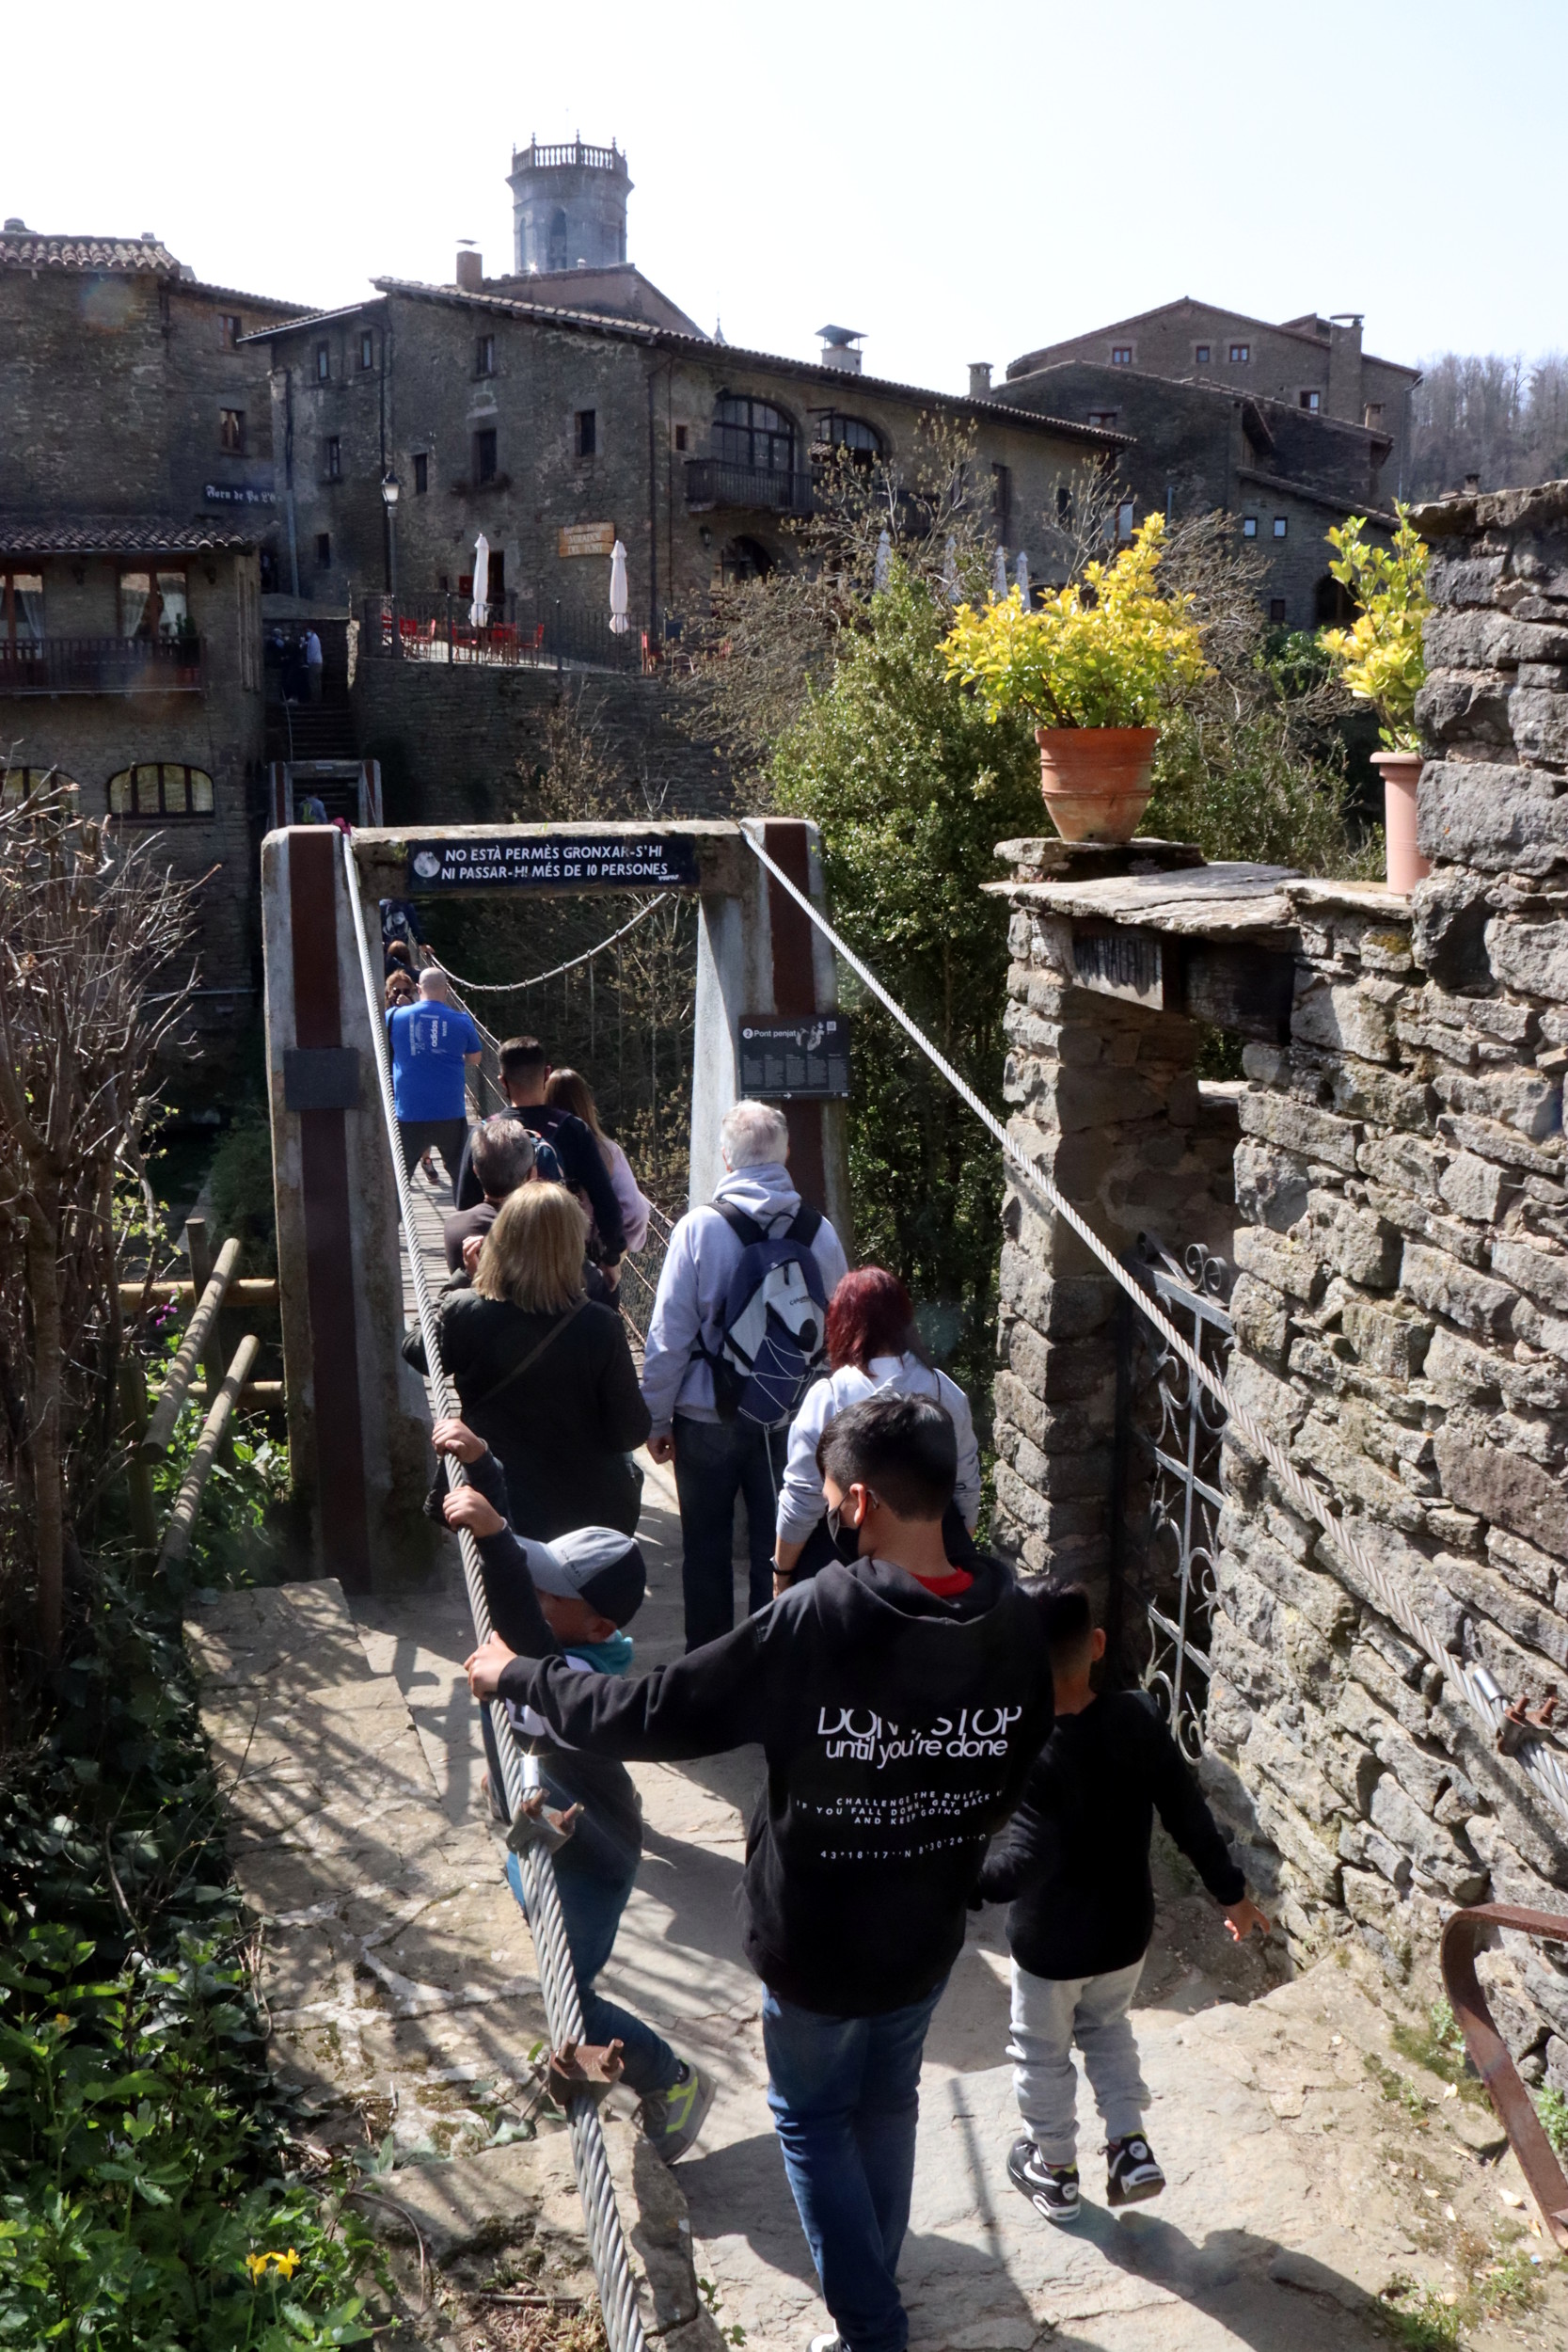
1108, 650
1379, 657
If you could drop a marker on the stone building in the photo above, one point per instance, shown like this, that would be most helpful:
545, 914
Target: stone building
1399, 1241
554, 431
1286, 474
136, 497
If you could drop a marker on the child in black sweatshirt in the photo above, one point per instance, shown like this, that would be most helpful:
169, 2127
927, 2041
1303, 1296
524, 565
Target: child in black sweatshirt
1073, 1864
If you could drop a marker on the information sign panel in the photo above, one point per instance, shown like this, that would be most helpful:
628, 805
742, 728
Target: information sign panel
790, 1057
555, 861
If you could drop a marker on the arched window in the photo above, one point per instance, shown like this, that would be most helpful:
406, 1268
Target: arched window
555, 254
161, 787
743, 559
751, 433
16, 783
863, 442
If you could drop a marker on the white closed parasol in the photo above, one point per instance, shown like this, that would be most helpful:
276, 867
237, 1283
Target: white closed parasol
999, 575
1022, 574
479, 611
618, 597
884, 557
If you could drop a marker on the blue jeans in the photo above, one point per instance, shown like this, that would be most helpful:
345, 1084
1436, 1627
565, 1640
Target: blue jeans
715, 1461
592, 1906
844, 2092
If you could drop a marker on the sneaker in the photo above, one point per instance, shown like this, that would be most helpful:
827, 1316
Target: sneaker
1051, 2188
829, 2344
1131, 2171
672, 2118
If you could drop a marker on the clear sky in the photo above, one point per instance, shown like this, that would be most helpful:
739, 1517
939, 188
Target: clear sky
961, 182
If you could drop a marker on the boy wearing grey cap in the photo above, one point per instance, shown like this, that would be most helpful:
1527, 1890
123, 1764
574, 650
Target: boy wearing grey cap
572, 1598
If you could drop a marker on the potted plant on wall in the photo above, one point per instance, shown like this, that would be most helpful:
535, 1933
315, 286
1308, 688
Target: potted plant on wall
1380, 659
1093, 667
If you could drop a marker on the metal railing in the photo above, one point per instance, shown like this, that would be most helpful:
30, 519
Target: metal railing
709, 482
517, 633
102, 665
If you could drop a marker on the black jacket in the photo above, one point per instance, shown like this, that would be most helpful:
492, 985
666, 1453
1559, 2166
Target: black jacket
609, 1840
897, 1729
1073, 1863
581, 1166
563, 1429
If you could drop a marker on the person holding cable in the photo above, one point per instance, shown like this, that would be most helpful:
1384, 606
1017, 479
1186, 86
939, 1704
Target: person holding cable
742, 1294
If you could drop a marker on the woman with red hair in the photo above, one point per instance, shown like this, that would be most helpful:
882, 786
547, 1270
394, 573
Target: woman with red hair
873, 1349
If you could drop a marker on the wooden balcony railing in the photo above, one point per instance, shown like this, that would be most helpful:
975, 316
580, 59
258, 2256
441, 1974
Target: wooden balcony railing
102, 665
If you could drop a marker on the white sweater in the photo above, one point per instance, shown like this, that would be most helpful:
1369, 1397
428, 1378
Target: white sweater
802, 1503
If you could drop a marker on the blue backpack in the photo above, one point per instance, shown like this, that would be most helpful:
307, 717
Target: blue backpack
773, 1331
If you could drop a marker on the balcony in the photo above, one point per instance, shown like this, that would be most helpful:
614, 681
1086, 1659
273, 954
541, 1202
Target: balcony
102, 665
710, 483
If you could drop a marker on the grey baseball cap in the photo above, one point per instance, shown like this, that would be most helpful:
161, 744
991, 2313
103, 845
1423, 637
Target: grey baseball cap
597, 1565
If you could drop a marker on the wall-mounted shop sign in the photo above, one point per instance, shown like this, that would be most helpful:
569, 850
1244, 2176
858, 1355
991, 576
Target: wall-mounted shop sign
585, 539
572, 862
787, 1057
235, 494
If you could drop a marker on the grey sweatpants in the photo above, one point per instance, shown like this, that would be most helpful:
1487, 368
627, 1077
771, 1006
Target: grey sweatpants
1050, 2014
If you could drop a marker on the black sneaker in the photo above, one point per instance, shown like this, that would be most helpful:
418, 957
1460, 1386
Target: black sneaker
1051, 2188
672, 2118
1130, 2170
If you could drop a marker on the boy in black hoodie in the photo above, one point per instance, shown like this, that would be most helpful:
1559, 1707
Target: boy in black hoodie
1073, 1863
899, 1702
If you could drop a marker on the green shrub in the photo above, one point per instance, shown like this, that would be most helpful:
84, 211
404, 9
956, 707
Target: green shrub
239, 1187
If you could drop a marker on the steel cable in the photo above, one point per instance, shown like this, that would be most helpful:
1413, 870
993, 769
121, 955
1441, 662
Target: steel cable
1543, 1762
512, 988
607, 2240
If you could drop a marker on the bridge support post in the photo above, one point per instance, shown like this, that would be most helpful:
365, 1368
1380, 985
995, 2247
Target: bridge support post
357, 1442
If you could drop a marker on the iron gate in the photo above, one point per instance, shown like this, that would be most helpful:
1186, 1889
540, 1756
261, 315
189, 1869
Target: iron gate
1180, 1595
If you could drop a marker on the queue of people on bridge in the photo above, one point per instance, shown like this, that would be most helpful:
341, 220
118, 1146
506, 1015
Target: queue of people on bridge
933, 1727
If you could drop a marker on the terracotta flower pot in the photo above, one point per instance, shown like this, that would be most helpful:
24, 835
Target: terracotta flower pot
1096, 780
1402, 772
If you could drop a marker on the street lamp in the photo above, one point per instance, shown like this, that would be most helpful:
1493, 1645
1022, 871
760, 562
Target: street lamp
389, 486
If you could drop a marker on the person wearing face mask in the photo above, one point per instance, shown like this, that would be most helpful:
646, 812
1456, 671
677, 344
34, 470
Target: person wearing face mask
899, 1702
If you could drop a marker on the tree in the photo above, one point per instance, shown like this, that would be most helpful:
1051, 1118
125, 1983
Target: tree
87, 929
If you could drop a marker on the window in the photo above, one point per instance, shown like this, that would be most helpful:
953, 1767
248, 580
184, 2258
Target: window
367, 347
1001, 501
555, 251
323, 362
680, 436
1280, 526
161, 787
232, 431
1371, 416
230, 328
153, 604
585, 432
1200, 355
16, 783
334, 458
1277, 611
20, 608
753, 433
1121, 355
323, 551
1312, 403
1103, 416
1124, 519
1240, 354
484, 354
421, 473
485, 454
1249, 526
863, 442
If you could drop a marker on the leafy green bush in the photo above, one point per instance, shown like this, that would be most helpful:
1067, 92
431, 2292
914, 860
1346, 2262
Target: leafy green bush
144, 2205
1381, 656
239, 1189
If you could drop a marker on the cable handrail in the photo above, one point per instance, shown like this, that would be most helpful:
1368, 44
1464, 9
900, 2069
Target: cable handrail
607, 2240
510, 988
1542, 1763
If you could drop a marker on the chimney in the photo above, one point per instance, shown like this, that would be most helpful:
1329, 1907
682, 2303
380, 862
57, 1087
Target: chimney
470, 269
979, 379
838, 348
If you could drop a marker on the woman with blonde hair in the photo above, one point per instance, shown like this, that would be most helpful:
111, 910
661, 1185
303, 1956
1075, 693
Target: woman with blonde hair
569, 1090
544, 1375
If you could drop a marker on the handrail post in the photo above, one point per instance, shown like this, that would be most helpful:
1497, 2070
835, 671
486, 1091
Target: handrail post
451, 651
139, 1473
182, 1519
199, 1251
165, 1412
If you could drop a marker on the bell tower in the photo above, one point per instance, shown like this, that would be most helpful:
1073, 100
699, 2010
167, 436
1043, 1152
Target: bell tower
568, 207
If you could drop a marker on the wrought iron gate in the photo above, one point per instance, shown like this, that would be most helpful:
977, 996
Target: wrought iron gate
1178, 1584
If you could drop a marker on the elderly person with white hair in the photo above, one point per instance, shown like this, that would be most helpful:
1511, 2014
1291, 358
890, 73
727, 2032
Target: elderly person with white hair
716, 1458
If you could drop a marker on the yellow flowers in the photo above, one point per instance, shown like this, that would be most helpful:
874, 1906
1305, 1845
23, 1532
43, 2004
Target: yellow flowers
258, 2266
1107, 651
1379, 657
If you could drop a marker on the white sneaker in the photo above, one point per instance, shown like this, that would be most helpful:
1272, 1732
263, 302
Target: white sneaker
828, 2343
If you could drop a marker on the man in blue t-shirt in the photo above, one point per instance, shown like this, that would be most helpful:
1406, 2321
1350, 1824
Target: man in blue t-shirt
432, 1043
